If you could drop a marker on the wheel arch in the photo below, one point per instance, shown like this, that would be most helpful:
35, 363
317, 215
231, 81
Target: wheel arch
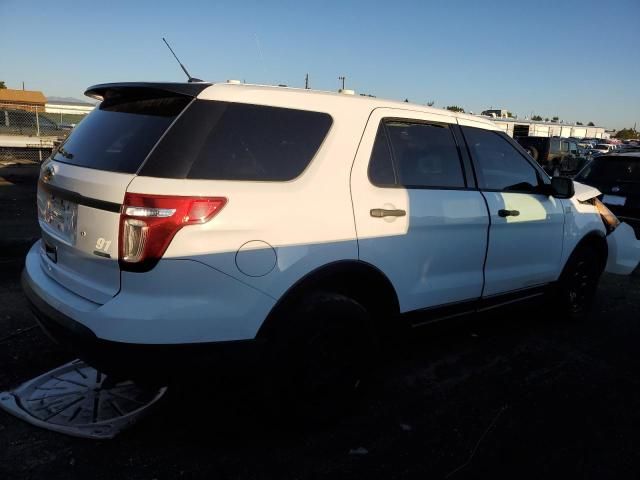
596, 238
356, 279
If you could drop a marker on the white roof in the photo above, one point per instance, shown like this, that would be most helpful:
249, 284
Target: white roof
324, 101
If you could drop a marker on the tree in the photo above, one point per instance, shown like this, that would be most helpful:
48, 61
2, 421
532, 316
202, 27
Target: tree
546, 119
591, 124
406, 100
627, 134
536, 118
555, 119
2, 85
455, 108
511, 115
430, 103
578, 123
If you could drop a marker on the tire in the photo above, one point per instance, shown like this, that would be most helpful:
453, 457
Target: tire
579, 282
318, 358
533, 151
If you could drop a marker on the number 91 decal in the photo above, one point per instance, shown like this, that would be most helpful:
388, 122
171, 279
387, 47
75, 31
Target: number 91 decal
102, 248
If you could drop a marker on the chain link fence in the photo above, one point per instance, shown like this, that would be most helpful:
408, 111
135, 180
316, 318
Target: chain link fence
28, 133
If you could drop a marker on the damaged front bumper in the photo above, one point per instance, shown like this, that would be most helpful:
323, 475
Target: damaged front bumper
624, 250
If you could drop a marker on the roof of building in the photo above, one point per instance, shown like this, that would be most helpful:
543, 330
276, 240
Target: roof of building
69, 101
70, 104
537, 122
22, 96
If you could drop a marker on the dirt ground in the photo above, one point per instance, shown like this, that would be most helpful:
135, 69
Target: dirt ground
521, 394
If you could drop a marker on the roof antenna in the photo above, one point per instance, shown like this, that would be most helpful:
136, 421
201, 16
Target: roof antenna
191, 79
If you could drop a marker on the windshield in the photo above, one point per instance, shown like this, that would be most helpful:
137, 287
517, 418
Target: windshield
606, 170
118, 135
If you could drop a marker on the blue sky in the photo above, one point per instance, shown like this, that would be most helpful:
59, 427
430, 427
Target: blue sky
575, 59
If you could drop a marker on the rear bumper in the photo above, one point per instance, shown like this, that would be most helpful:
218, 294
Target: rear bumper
153, 362
178, 302
182, 316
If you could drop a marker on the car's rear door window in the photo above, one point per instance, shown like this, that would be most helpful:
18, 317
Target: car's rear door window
216, 140
425, 155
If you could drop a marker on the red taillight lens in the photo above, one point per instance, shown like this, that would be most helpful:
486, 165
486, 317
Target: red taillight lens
148, 223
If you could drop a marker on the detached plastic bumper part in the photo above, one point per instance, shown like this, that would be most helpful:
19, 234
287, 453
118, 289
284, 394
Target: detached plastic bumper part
624, 250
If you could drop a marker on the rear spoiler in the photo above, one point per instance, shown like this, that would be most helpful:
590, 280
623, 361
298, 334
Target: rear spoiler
105, 90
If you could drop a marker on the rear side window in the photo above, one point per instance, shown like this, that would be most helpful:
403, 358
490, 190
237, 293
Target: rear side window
499, 165
424, 156
118, 135
234, 141
381, 168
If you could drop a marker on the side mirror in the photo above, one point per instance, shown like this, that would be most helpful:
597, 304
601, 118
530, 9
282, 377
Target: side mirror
562, 187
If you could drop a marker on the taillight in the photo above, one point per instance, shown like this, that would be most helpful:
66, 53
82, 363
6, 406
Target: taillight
148, 223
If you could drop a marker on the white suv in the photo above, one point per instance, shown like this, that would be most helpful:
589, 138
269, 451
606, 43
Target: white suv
209, 218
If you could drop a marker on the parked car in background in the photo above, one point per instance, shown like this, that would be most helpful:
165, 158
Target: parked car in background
22, 122
617, 176
602, 148
584, 150
628, 147
556, 155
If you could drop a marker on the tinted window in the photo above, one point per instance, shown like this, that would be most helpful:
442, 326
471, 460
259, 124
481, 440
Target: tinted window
499, 165
425, 155
612, 170
235, 141
573, 148
381, 170
118, 135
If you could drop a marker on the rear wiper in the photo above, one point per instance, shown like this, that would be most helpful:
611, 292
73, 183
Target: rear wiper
65, 154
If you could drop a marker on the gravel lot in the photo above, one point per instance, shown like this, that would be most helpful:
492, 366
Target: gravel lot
520, 394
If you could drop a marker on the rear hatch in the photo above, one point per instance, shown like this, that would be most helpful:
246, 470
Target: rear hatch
82, 186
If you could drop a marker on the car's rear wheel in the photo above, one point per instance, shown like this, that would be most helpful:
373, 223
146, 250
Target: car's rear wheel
533, 151
579, 281
318, 357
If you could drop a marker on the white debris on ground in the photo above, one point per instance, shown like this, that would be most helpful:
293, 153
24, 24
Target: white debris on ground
77, 400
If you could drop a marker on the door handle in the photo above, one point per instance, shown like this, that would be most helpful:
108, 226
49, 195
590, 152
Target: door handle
382, 212
508, 213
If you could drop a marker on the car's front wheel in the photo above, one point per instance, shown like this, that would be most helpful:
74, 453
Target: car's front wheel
579, 281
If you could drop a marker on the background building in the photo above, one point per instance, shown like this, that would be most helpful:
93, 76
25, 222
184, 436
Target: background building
522, 128
29, 100
72, 107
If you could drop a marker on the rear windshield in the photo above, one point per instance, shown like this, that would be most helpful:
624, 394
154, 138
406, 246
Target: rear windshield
118, 135
607, 170
215, 140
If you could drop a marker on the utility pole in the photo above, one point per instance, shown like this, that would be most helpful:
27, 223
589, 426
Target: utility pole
342, 79
306, 82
